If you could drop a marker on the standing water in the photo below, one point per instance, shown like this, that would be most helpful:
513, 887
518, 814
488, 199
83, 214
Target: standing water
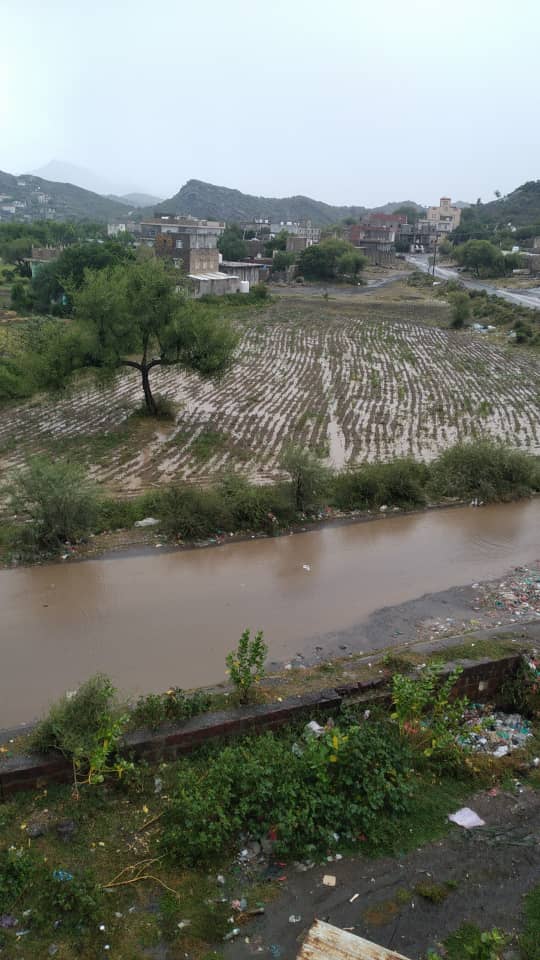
155, 620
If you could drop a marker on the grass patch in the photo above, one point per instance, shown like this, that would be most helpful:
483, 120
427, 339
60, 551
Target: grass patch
209, 443
529, 940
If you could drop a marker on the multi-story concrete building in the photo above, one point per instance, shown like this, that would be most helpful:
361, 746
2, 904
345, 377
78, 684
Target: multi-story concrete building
189, 243
297, 228
445, 217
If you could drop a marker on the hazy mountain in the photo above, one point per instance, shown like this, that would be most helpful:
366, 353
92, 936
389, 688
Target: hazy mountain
60, 171
138, 199
61, 201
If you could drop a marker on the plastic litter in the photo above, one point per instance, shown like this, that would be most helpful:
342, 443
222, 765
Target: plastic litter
232, 934
306, 567
329, 880
294, 918
147, 522
466, 818
354, 897
62, 875
7, 921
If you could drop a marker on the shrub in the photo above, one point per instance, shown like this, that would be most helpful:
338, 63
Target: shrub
16, 870
246, 663
191, 512
75, 900
398, 483
484, 469
461, 310
424, 709
345, 781
310, 480
58, 499
85, 727
253, 507
174, 706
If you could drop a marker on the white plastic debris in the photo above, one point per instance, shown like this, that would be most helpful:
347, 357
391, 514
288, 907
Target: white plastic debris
466, 818
313, 729
329, 880
294, 918
147, 522
306, 566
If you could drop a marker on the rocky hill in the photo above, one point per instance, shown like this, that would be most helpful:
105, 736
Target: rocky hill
221, 203
520, 208
37, 199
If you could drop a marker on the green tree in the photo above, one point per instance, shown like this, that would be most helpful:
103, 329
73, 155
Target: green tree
410, 211
59, 501
281, 260
136, 308
350, 263
461, 310
55, 282
279, 242
231, 243
322, 261
481, 256
310, 479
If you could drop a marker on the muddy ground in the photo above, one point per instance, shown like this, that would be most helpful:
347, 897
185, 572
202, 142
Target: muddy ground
492, 867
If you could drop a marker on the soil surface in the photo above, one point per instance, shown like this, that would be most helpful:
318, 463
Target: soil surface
492, 867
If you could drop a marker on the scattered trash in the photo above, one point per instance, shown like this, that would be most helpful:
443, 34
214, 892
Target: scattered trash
158, 784
313, 729
354, 897
466, 818
53, 949
239, 904
183, 924
62, 875
22, 933
275, 950
147, 522
294, 919
7, 921
495, 732
220, 879
329, 880
307, 567
232, 934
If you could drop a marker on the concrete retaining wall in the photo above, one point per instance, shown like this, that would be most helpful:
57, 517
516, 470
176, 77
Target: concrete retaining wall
480, 681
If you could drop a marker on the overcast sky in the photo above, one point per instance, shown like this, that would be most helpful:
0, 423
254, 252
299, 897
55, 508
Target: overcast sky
346, 101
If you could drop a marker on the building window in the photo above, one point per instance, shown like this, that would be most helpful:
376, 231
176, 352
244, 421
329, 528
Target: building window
179, 244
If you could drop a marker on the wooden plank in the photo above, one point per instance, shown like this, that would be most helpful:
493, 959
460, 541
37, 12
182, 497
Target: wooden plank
326, 942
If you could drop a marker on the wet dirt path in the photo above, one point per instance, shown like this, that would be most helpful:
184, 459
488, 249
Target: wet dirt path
160, 619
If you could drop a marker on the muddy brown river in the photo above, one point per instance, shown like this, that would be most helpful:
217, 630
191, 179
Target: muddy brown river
158, 619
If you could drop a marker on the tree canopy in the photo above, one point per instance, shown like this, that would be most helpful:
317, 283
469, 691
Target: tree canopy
231, 243
137, 309
484, 258
329, 259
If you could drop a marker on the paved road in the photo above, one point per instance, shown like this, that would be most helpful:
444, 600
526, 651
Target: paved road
525, 298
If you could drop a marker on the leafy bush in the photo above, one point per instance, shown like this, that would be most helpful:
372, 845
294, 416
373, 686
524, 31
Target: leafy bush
191, 512
397, 483
343, 782
529, 940
253, 507
57, 498
174, 706
310, 480
424, 709
246, 663
86, 727
484, 469
16, 870
75, 900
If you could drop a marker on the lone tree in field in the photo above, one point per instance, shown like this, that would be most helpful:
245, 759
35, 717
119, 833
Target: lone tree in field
139, 310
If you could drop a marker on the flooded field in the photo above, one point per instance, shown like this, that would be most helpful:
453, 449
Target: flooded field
161, 619
366, 379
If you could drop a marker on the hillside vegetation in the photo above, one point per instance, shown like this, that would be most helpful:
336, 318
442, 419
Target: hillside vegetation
221, 203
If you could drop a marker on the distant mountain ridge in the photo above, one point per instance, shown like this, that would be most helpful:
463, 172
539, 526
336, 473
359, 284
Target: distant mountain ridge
61, 171
208, 201
64, 200
521, 207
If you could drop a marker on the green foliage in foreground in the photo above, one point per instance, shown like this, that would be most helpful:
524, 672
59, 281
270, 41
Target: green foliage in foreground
352, 782
529, 941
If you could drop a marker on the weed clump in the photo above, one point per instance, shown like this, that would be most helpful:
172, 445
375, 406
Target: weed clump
484, 469
354, 778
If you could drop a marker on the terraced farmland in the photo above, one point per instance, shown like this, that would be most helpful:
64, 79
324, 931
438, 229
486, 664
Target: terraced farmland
362, 380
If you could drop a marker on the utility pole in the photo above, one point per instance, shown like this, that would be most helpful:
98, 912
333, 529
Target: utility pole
435, 252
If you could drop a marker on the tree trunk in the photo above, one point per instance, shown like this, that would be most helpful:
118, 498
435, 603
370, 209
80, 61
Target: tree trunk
150, 402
